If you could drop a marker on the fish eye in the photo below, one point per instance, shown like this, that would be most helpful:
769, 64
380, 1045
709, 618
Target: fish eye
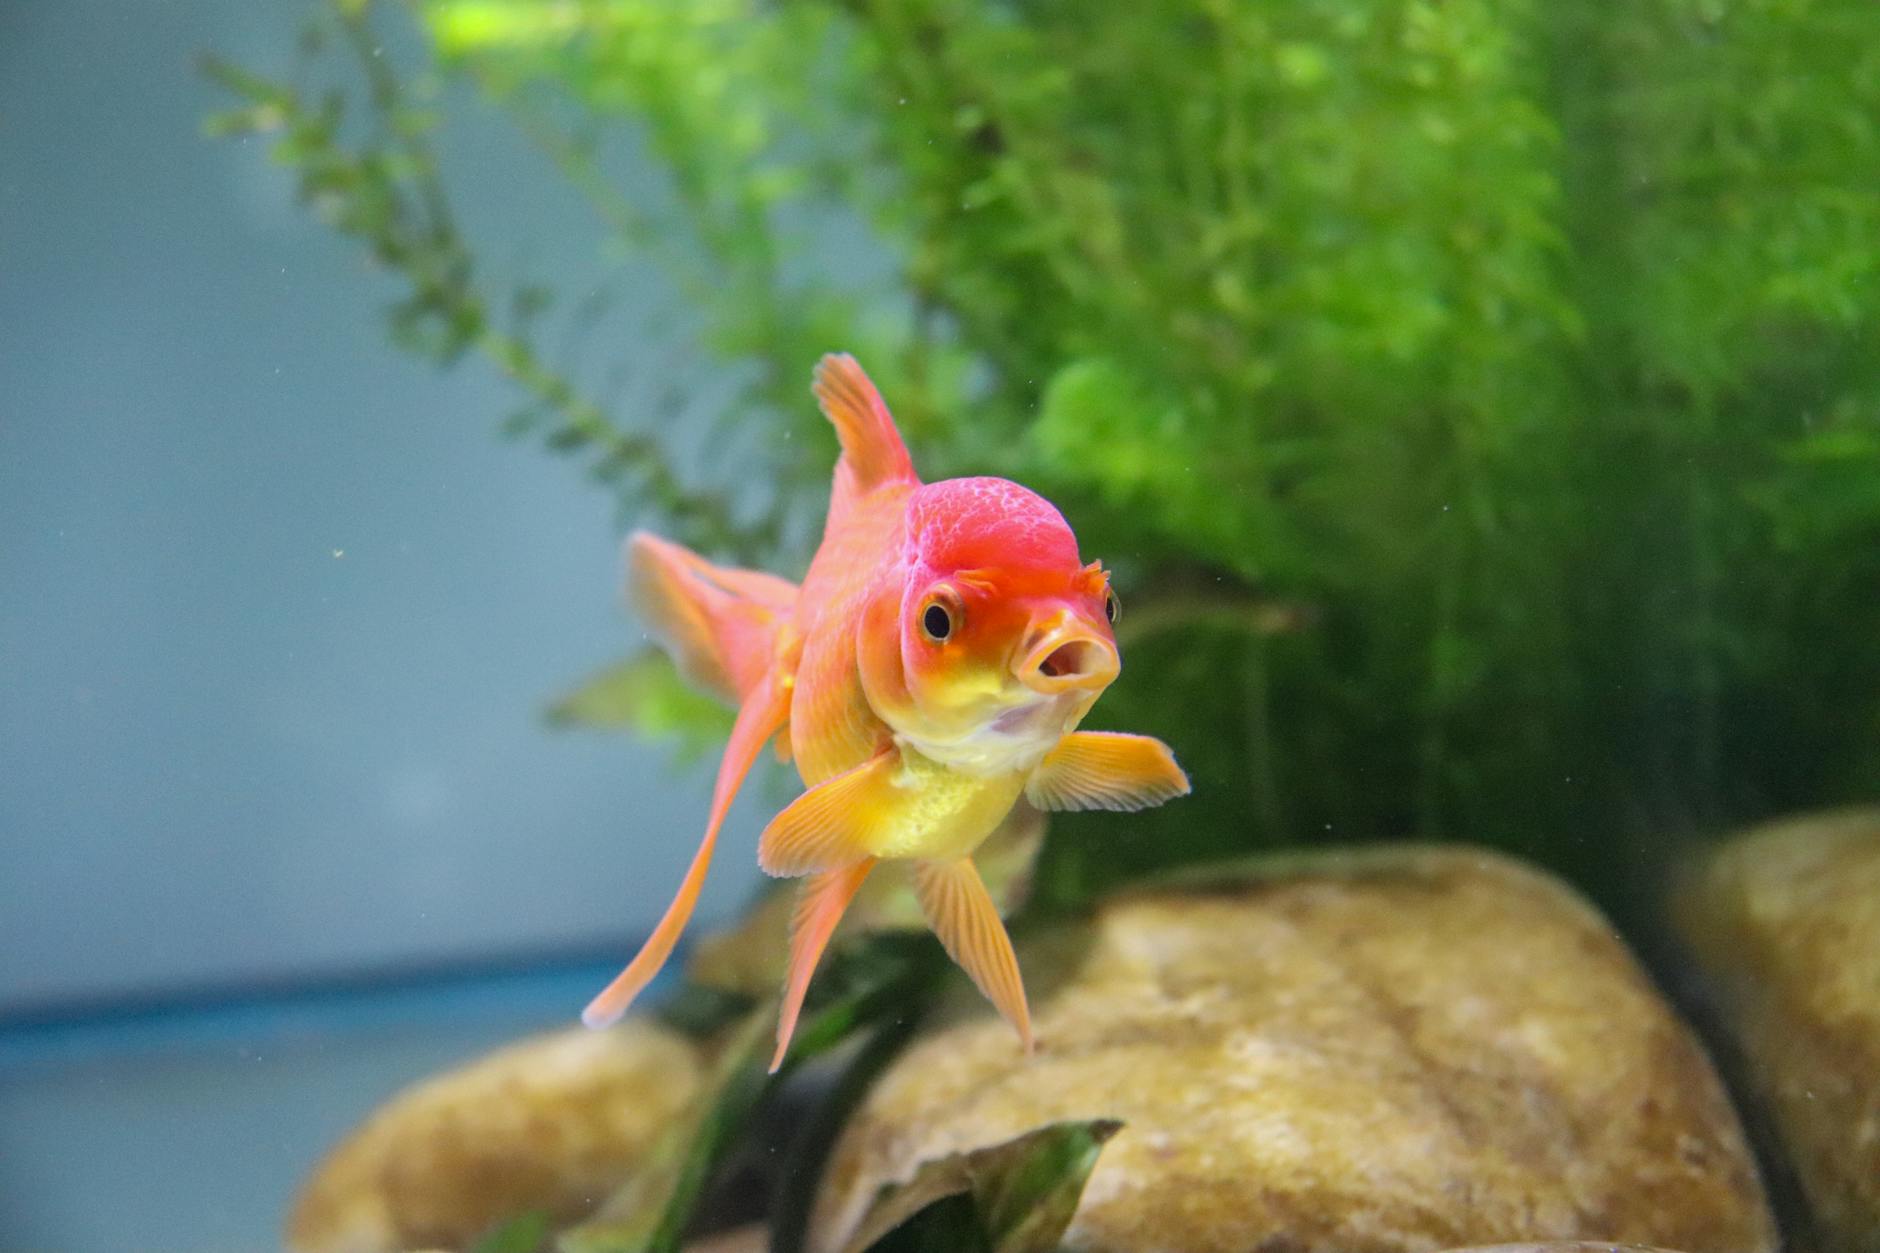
1112, 607
936, 622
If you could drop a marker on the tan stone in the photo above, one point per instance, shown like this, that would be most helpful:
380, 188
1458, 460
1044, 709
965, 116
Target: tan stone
1393, 1050
553, 1124
751, 1239
1560, 1246
1787, 920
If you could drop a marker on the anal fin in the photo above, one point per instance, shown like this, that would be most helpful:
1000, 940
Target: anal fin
963, 916
1106, 770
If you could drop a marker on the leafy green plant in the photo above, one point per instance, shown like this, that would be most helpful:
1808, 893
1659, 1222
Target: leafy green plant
1528, 349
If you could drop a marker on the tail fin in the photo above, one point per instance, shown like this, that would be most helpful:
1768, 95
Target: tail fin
765, 709
719, 624
872, 451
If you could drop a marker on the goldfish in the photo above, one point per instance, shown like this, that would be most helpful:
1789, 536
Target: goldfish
929, 672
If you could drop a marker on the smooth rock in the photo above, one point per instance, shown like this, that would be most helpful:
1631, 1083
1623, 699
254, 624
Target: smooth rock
1405, 1048
752, 1239
1560, 1246
552, 1124
1786, 920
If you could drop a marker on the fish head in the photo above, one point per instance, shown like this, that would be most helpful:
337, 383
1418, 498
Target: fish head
1001, 635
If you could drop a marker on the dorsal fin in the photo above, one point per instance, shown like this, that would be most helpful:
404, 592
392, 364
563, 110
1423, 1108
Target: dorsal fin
872, 451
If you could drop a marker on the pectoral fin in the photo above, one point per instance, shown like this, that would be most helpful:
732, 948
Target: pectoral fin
834, 824
818, 910
1106, 770
967, 922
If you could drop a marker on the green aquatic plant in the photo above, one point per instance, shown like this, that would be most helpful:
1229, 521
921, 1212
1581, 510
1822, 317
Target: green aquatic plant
1527, 351
1479, 402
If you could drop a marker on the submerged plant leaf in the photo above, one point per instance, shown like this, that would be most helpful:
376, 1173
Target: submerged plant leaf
647, 695
794, 1197
1016, 1197
881, 980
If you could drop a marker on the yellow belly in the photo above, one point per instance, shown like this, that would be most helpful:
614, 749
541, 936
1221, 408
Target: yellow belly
941, 814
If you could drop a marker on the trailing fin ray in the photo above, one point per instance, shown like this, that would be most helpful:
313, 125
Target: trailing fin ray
764, 710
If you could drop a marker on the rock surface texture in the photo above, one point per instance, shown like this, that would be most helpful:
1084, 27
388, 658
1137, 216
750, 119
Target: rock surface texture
552, 1124
1786, 920
1404, 1049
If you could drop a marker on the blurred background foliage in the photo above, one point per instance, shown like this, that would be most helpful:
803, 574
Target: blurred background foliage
1477, 400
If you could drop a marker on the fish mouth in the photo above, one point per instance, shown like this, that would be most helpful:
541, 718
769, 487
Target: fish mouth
1066, 657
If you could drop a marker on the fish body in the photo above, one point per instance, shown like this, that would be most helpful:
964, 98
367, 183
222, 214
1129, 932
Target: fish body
929, 672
